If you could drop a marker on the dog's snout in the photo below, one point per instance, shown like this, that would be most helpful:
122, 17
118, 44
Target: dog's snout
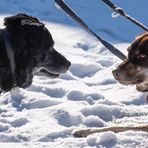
116, 73
65, 66
68, 64
59, 64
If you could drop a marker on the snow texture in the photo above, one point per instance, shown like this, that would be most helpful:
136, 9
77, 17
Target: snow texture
46, 114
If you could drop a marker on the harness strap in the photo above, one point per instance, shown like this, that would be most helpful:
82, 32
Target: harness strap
73, 15
9, 50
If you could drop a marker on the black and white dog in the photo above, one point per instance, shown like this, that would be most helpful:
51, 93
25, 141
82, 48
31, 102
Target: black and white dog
25, 46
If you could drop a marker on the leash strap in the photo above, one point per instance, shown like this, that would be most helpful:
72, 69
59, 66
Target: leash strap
75, 17
124, 14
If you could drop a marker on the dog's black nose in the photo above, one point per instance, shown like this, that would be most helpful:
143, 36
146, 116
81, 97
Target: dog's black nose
68, 64
116, 73
65, 66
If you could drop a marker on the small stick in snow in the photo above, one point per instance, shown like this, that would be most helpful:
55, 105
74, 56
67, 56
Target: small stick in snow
116, 129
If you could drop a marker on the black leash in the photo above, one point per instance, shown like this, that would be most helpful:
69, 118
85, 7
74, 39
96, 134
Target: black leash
73, 15
124, 14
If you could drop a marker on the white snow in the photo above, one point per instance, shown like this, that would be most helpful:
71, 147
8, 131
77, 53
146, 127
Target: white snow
46, 114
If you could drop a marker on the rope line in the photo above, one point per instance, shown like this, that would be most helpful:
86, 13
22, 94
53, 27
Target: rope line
124, 14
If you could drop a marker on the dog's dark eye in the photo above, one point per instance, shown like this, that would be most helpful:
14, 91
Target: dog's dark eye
142, 56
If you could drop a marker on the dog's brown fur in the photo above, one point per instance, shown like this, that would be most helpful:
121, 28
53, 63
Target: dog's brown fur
134, 70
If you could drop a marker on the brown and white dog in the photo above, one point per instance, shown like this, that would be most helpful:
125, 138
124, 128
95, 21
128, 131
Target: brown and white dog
134, 70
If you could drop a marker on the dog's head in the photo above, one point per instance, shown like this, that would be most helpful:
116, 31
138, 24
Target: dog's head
34, 53
134, 70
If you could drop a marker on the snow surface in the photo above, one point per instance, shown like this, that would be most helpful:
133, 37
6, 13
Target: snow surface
46, 114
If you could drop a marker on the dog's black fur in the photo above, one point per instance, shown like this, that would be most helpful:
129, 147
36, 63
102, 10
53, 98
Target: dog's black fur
32, 45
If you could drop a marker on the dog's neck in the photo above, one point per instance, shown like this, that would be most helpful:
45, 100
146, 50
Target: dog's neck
9, 50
